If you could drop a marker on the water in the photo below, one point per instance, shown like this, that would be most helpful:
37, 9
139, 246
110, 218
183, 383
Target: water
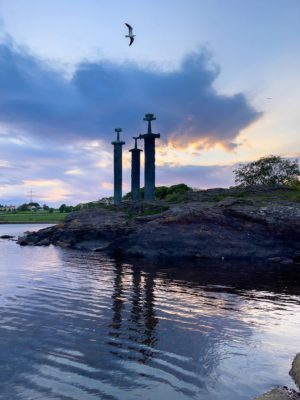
77, 325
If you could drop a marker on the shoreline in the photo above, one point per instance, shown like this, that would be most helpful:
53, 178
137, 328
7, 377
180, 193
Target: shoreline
283, 392
252, 224
31, 223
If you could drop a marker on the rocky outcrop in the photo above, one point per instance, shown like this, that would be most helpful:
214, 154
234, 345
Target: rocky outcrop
282, 393
295, 370
230, 228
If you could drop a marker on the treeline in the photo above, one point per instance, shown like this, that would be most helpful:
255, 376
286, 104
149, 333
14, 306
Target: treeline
66, 209
37, 207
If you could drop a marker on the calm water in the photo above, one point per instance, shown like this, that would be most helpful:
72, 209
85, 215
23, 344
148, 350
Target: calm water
81, 326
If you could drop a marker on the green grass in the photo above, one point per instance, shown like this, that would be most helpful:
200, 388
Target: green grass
23, 217
295, 196
153, 212
262, 197
281, 195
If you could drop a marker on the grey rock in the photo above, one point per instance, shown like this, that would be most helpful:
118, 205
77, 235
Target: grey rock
284, 393
230, 201
281, 393
295, 370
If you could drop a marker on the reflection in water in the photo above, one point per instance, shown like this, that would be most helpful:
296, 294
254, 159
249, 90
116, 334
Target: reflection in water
141, 320
118, 302
76, 325
149, 313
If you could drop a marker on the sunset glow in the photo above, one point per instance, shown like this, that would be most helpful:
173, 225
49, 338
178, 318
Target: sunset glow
218, 102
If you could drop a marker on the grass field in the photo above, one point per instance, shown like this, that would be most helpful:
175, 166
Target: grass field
27, 217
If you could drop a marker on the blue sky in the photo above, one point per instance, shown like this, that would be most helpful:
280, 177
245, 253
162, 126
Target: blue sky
205, 68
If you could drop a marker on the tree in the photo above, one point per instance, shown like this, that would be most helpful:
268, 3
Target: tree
65, 209
23, 207
270, 170
62, 208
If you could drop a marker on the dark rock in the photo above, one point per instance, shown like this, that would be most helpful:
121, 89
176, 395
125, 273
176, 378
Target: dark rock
296, 256
22, 241
43, 242
230, 201
63, 244
93, 245
6, 237
195, 229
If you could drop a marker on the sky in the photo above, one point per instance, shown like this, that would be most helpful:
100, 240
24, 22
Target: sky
221, 76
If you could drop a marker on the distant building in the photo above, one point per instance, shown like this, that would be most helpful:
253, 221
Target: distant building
8, 208
31, 208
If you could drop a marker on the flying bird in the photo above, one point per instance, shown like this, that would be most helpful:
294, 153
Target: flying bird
130, 35
269, 98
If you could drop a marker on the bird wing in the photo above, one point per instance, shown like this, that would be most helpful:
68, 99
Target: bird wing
129, 28
131, 41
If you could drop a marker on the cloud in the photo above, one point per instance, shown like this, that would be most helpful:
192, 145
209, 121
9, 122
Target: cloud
56, 132
43, 170
201, 177
41, 182
46, 175
74, 172
37, 100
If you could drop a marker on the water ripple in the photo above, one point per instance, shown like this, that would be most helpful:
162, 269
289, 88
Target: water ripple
76, 325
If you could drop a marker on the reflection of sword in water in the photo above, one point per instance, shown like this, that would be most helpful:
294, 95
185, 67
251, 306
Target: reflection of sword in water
136, 308
141, 330
118, 303
149, 312
138, 334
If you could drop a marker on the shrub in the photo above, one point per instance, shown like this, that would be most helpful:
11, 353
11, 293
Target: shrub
171, 193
